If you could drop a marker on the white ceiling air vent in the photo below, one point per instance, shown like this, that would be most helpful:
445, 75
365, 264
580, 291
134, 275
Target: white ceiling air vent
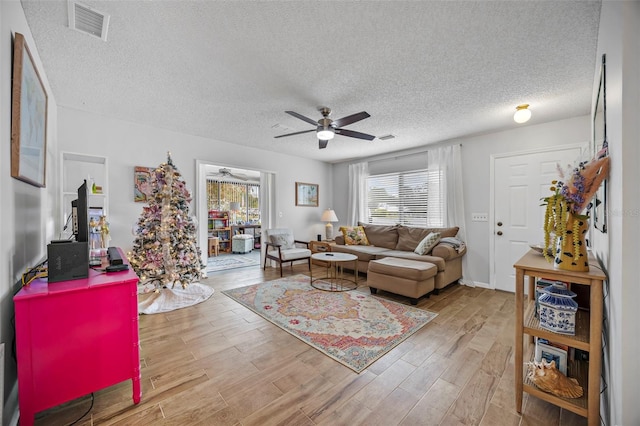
386, 137
87, 20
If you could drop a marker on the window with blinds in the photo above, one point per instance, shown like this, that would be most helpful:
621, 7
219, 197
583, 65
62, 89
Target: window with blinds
414, 198
221, 194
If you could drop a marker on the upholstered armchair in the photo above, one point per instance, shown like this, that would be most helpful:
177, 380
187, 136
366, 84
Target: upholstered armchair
281, 247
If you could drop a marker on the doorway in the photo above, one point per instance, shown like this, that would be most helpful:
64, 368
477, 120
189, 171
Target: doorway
519, 181
231, 205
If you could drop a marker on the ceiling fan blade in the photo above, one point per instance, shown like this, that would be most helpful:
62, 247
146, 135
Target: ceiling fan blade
302, 117
352, 134
296, 133
350, 119
239, 176
322, 144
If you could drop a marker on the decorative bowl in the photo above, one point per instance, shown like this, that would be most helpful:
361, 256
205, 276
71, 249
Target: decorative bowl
540, 248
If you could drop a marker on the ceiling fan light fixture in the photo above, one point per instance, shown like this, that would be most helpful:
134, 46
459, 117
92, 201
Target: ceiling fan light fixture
326, 134
523, 114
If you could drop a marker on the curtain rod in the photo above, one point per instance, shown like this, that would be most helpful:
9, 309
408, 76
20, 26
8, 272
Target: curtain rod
396, 156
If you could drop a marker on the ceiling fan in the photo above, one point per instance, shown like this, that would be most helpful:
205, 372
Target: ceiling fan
327, 128
224, 172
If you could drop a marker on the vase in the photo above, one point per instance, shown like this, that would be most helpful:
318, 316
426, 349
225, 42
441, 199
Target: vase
571, 252
558, 309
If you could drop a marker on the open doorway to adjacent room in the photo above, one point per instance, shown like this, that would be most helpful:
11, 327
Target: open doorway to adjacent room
232, 227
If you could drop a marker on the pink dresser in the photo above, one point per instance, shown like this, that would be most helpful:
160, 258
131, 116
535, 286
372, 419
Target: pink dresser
74, 338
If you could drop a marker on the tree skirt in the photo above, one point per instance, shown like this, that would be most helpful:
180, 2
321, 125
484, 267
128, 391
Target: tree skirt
170, 299
351, 327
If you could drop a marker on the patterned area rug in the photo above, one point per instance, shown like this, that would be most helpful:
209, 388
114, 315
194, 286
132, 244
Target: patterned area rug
351, 327
222, 262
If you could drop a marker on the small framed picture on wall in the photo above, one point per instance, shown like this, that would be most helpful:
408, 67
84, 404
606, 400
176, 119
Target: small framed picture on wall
306, 194
141, 183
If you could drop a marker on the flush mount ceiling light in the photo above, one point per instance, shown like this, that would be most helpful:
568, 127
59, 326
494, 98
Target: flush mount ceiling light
523, 114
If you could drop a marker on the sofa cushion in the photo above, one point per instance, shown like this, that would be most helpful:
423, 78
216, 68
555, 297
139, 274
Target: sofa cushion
438, 261
364, 253
409, 236
428, 243
408, 269
354, 235
381, 235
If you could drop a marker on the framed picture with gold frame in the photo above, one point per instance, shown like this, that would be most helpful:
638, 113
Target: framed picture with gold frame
141, 183
28, 118
306, 194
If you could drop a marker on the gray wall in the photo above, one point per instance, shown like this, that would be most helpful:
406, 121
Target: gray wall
476, 154
26, 212
619, 39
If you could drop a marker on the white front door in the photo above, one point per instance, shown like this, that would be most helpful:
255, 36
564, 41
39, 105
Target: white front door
520, 181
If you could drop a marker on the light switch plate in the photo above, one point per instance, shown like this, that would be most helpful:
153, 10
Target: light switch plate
479, 217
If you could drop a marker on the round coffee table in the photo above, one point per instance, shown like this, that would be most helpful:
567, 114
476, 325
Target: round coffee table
335, 279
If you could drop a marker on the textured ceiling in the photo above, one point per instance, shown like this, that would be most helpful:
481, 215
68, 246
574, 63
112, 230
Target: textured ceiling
426, 71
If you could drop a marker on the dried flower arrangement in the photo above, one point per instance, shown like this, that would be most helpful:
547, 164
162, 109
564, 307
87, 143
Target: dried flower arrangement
571, 196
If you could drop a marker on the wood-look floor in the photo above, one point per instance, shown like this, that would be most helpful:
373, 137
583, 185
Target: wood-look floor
218, 363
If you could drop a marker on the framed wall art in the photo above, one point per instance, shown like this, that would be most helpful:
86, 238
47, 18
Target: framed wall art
141, 183
306, 194
28, 118
600, 146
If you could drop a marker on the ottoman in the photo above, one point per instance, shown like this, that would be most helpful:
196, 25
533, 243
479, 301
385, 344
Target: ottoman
409, 278
242, 243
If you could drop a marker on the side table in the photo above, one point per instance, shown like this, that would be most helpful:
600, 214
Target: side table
335, 279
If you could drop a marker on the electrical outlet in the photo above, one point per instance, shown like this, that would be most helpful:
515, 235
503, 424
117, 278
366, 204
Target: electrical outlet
479, 217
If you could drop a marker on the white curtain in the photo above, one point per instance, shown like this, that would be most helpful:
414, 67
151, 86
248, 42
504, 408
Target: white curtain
267, 207
448, 159
357, 208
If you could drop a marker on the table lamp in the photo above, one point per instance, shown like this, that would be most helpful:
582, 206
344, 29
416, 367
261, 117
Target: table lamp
234, 207
329, 216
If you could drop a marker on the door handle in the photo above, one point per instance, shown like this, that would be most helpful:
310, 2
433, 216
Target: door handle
499, 232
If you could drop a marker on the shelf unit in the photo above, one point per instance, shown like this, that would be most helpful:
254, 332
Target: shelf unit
587, 336
75, 168
218, 226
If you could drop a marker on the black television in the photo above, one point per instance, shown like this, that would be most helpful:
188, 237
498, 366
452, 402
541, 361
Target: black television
80, 212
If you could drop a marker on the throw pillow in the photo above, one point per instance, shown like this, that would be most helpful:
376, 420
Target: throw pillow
285, 241
428, 243
354, 236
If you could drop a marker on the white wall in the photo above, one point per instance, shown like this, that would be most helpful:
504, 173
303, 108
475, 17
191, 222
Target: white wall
26, 214
619, 39
127, 145
476, 154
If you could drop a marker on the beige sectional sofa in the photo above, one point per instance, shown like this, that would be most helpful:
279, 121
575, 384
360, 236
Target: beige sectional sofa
400, 241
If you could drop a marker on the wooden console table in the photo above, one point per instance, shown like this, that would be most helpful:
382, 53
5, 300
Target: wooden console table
76, 337
588, 335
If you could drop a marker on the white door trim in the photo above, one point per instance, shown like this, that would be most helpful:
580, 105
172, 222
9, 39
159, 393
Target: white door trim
582, 146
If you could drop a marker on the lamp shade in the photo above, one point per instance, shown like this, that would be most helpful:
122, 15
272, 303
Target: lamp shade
523, 114
329, 216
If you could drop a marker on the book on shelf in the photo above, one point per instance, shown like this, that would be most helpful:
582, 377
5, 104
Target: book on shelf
549, 352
